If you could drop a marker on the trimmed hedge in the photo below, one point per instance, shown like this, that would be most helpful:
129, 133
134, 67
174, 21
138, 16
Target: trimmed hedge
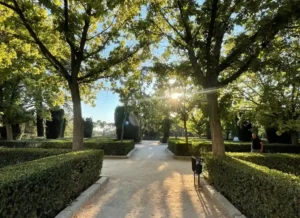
257, 191
179, 147
11, 156
42, 188
287, 163
110, 147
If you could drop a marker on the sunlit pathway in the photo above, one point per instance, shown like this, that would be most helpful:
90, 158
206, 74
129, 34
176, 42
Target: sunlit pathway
149, 184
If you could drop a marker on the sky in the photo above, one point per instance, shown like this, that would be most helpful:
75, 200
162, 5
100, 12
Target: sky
106, 102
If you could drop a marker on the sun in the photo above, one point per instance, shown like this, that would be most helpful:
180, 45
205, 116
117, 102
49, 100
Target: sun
175, 96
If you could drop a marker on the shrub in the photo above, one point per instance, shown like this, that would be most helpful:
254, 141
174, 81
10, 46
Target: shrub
43, 187
178, 147
88, 127
109, 146
287, 163
11, 156
131, 130
54, 127
256, 191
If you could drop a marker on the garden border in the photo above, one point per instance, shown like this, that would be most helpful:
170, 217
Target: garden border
83, 198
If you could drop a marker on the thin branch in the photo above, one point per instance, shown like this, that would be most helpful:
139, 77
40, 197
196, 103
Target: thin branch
93, 73
66, 27
100, 48
168, 36
85, 29
89, 80
252, 89
188, 39
170, 25
267, 31
187, 28
219, 36
248, 97
237, 73
8, 6
109, 26
213, 16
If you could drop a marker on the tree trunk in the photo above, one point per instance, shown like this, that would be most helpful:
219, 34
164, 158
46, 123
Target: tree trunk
40, 126
77, 115
215, 125
9, 132
294, 137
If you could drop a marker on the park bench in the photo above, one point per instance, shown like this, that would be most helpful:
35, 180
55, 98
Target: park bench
197, 165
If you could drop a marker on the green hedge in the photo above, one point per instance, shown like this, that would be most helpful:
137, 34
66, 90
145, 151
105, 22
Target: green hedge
11, 156
179, 147
257, 191
287, 163
42, 188
109, 147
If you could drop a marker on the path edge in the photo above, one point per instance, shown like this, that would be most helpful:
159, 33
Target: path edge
120, 156
178, 157
231, 210
83, 198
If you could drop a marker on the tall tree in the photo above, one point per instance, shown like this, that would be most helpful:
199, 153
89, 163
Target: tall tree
201, 29
94, 35
273, 94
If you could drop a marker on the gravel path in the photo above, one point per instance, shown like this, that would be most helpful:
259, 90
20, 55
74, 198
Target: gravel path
150, 184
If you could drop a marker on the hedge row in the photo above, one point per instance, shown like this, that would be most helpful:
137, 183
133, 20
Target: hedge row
179, 147
287, 163
109, 147
42, 188
11, 156
257, 191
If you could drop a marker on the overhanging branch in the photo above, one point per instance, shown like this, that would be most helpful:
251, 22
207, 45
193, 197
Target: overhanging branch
50, 57
267, 32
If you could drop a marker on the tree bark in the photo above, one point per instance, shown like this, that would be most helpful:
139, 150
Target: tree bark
294, 137
215, 125
77, 115
9, 132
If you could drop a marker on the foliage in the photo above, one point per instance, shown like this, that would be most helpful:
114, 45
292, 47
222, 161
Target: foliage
26, 87
43, 187
105, 129
287, 163
218, 41
109, 146
273, 92
96, 40
178, 147
88, 128
272, 137
11, 156
250, 187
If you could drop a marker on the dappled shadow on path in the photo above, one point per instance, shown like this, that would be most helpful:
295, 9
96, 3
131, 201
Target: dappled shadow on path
149, 186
